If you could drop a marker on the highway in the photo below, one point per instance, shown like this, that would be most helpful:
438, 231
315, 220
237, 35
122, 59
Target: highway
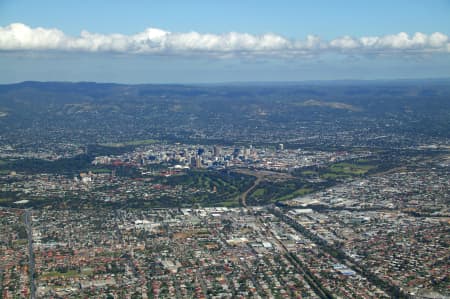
30, 253
243, 196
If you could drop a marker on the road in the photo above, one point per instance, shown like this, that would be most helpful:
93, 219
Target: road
243, 196
319, 290
260, 175
30, 253
393, 290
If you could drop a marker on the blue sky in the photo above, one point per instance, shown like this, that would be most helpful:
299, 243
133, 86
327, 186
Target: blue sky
270, 44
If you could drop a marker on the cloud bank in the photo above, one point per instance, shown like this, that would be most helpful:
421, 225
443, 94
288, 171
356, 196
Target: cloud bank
153, 41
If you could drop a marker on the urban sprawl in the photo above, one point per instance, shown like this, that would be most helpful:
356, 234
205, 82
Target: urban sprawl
350, 233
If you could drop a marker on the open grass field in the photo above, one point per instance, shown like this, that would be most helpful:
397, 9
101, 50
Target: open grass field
351, 169
68, 274
296, 193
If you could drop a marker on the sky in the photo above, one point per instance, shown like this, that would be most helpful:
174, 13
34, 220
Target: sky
223, 41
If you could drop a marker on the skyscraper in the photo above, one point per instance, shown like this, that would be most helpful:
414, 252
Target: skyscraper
217, 151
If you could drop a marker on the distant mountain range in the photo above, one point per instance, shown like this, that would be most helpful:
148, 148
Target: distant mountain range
104, 112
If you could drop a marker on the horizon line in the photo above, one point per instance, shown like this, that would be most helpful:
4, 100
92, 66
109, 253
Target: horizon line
243, 82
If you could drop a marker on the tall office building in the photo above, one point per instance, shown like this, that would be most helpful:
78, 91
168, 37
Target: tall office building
236, 152
198, 162
216, 151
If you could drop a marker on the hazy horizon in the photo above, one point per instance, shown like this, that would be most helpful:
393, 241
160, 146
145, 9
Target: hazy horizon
231, 41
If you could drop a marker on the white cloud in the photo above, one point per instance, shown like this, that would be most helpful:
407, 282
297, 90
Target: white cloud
344, 43
438, 40
20, 37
